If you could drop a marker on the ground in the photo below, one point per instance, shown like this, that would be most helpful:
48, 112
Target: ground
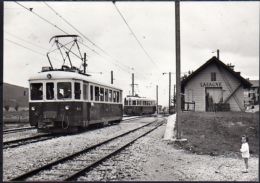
202, 158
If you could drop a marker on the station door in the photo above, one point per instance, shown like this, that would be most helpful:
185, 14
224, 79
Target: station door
213, 96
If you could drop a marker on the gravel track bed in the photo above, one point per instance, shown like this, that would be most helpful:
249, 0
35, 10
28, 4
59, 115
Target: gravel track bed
24, 158
64, 170
20, 135
152, 159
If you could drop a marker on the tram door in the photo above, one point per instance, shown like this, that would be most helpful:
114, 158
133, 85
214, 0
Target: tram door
213, 96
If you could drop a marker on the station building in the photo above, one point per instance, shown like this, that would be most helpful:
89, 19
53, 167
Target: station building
214, 86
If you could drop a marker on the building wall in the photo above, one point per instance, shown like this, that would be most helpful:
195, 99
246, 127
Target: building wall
195, 88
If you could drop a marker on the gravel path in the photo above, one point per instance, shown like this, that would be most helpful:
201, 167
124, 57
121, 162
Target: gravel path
151, 158
24, 158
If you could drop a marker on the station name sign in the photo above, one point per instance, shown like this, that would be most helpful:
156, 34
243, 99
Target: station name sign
211, 84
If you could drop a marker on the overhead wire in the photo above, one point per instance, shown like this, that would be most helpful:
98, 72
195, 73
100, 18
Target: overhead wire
21, 45
88, 39
24, 47
25, 40
31, 10
139, 43
44, 19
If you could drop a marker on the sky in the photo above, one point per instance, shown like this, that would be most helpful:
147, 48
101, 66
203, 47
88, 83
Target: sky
231, 27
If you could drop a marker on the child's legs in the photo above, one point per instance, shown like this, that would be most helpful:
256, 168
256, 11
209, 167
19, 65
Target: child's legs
246, 162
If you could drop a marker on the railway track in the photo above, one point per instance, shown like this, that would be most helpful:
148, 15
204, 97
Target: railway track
37, 138
27, 140
14, 130
75, 165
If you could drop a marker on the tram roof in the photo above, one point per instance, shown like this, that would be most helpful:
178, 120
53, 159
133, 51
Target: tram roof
139, 98
67, 75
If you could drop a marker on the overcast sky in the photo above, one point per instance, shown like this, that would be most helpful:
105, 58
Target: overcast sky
231, 27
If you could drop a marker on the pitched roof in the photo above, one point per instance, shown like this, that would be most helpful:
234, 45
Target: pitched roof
215, 60
255, 83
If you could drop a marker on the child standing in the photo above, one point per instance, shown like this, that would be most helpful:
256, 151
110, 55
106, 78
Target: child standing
245, 151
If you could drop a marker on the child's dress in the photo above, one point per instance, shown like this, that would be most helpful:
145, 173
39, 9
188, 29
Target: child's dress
245, 150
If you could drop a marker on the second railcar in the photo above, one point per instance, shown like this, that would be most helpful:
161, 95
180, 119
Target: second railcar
139, 106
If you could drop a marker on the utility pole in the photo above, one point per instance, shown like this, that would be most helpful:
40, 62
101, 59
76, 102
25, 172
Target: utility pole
157, 99
133, 84
112, 77
174, 96
170, 83
178, 65
85, 64
218, 53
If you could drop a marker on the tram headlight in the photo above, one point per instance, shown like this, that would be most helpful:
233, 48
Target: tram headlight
67, 107
33, 108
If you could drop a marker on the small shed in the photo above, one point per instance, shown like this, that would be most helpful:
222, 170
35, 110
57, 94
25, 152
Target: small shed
214, 86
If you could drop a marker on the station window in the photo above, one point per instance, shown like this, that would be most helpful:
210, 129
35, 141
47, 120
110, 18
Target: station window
101, 94
85, 91
110, 95
77, 90
36, 91
106, 95
91, 93
49, 91
96, 93
213, 76
114, 96
64, 90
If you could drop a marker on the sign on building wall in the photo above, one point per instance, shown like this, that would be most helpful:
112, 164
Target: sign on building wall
210, 84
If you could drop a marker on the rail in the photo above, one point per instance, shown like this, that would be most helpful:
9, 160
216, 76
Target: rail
92, 150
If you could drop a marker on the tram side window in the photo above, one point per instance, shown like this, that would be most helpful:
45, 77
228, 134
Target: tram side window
114, 96
85, 92
77, 90
91, 92
120, 97
64, 90
126, 101
101, 94
36, 91
106, 95
49, 91
110, 95
117, 97
96, 93
134, 102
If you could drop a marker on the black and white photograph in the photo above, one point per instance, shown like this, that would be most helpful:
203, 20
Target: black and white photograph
130, 91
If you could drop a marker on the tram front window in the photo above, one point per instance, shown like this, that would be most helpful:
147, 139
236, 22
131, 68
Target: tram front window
49, 91
64, 90
36, 91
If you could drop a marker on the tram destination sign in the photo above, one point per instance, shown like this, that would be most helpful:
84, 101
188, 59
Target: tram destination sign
211, 84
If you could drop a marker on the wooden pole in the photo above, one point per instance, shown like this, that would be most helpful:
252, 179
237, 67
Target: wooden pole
157, 99
178, 65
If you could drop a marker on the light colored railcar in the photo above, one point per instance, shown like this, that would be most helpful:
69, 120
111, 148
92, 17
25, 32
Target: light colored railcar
67, 101
135, 105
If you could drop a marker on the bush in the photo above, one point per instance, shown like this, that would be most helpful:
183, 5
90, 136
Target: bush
16, 107
7, 107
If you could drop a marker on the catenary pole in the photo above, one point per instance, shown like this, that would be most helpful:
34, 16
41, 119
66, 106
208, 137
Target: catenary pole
112, 77
170, 90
